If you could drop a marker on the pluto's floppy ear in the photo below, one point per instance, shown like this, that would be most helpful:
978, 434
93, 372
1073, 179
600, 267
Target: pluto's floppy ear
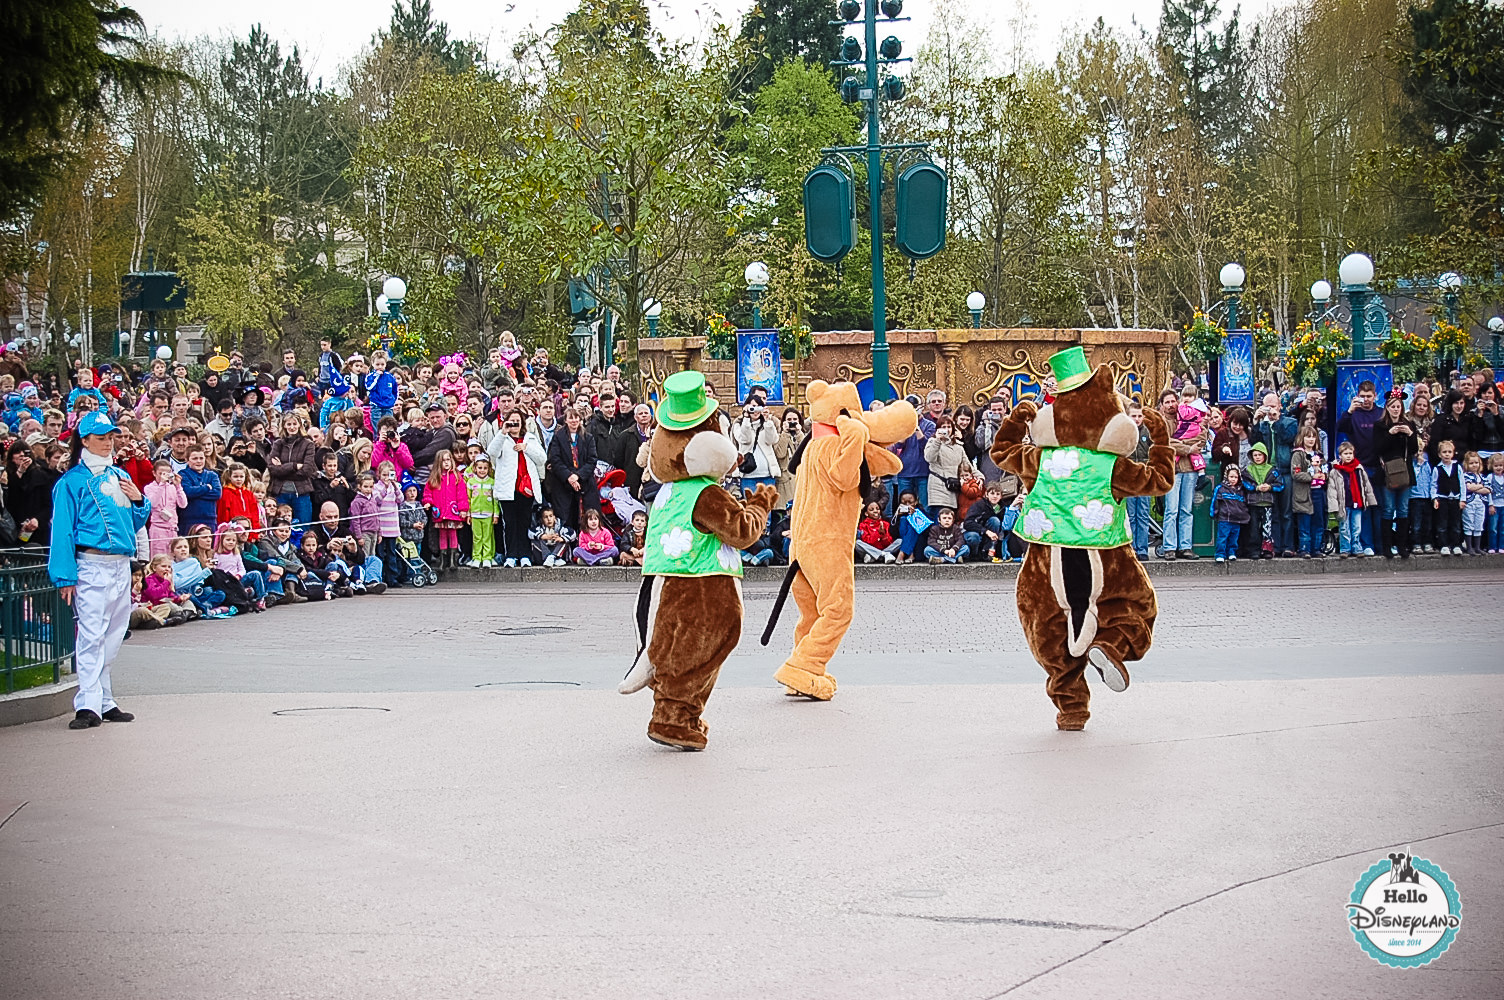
815, 390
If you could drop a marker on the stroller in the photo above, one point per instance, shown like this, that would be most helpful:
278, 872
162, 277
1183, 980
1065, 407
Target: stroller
420, 574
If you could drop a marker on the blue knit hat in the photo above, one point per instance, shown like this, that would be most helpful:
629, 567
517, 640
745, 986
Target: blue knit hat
337, 383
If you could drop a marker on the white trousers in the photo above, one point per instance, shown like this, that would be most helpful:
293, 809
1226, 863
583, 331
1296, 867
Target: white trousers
102, 607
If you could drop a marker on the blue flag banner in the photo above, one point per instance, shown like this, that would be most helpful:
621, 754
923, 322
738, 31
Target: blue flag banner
1351, 374
1236, 380
758, 364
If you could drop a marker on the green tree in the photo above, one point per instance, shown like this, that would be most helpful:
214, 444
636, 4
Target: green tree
1205, 60
61, 63
237, 277
782, 30
629, 177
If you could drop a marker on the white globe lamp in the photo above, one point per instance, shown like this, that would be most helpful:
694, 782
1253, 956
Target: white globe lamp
1356, 269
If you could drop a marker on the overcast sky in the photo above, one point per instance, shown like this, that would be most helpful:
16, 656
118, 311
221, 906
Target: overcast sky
330, 32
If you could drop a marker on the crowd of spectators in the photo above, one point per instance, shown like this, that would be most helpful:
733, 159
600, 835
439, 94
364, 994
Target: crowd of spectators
356, 475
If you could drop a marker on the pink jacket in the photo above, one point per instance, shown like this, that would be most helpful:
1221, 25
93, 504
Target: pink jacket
155, 590
450, 500
400, 457
165, 499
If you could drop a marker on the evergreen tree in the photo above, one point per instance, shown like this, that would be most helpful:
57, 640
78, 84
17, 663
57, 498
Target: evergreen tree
60, 61
415, 35
781, 30
1207, 63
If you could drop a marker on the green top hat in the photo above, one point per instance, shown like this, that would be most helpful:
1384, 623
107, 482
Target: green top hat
685, 404
1070, 368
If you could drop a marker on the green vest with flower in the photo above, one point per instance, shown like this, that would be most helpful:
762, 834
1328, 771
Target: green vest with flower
1072, 504
673, 545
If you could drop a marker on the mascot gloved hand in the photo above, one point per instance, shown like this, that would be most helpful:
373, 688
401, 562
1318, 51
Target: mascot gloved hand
692, 563
1083, 597
835, 467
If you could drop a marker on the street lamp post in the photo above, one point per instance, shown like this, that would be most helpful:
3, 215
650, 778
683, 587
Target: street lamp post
1355, 272
653, 309
757, 283
1232, 277
1321, 299
975, 303
1495, 332
389, 307
1450, 283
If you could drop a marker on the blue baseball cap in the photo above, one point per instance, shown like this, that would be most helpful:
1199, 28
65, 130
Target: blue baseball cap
95, 422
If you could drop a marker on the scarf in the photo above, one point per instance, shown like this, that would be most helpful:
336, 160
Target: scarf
1350, 472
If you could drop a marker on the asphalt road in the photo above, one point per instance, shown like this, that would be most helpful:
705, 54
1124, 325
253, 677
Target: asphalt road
408, 798
569, 635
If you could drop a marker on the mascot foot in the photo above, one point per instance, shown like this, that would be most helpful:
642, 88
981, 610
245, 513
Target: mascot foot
680, 737
1114, 674
820, 687
638, 677
1073, 723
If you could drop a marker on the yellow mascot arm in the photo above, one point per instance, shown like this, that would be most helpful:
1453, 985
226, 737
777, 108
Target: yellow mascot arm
841, 469
1132, 479
1008, 449
738, 523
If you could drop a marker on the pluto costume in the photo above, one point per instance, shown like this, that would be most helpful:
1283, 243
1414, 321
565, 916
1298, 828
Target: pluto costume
837, 460
692, 564
1083, 596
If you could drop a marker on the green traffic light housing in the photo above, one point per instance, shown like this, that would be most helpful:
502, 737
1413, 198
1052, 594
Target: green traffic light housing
891, 47
919, 197
892, 8
850, 89
894, 88
829, 213
851, 49
850, 10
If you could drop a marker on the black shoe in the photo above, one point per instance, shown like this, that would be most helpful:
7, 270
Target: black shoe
376, 588
83, 719
1188, 554
117, 715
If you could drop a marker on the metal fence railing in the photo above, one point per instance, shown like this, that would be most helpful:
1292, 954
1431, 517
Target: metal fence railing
36, 626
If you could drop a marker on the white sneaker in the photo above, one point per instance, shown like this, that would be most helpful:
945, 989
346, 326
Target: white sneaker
889, 558
1368, 552
1221, 560
510, 564
526, 561
866, 558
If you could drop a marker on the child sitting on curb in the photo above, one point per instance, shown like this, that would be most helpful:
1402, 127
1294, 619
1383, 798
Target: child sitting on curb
944, 543
874, 538
550, 540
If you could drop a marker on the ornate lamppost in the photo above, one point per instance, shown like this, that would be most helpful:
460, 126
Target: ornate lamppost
1355, 272
757, 283
1232, 276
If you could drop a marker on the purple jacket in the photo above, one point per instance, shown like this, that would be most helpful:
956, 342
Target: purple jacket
1358, 425
365, 515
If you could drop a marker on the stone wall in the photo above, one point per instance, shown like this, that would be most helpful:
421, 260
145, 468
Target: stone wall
970, 365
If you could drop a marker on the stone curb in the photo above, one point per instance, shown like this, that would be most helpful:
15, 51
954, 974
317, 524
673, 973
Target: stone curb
1157, 568
38, 703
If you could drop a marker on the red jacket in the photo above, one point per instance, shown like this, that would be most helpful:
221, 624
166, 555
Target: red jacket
874, 531
139, 469
239, 502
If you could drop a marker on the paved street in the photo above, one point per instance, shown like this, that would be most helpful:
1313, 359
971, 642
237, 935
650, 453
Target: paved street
482, 816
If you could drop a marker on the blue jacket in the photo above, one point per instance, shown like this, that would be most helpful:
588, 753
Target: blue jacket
1425, 478
84, 515
76, 393
202, 490
911, 451
1278, 436
381, 389
333, 405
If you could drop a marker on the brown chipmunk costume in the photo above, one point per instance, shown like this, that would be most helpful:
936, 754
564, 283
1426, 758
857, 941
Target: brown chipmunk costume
1083, 597
835, 465
692, 564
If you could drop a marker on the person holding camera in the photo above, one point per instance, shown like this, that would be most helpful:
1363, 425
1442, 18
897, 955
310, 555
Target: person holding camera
755, 435
948, 464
